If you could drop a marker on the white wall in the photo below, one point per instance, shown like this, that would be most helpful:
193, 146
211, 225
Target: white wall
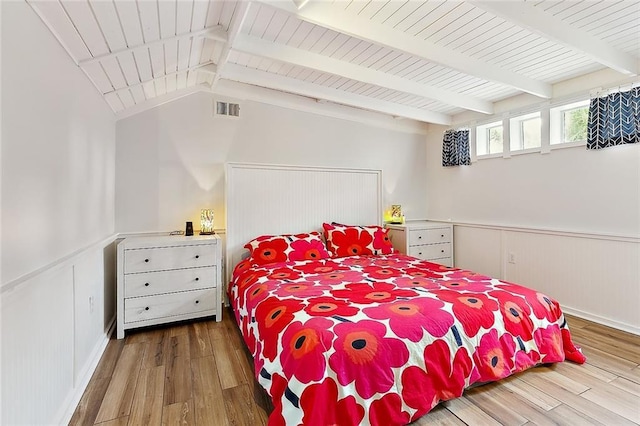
569, 189
570, 218
170, 160
57, 195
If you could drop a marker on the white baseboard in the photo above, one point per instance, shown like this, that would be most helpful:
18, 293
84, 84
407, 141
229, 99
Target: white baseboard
601, 320
73, 399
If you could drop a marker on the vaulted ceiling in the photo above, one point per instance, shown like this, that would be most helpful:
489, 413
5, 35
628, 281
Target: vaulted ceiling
423, 60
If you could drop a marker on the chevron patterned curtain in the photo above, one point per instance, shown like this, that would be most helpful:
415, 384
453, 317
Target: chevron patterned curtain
614, 119
455, 148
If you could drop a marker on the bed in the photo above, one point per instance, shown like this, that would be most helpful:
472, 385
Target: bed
345, 331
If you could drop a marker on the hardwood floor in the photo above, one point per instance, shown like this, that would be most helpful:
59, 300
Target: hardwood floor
200, 373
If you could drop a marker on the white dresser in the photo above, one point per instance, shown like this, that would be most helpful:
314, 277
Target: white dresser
432, 241
168, 278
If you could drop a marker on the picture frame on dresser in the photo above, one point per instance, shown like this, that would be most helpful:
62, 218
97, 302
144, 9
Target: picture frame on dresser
431, 241
167, 278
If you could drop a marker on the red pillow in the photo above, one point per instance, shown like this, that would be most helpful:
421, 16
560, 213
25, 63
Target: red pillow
343, 240
282, 248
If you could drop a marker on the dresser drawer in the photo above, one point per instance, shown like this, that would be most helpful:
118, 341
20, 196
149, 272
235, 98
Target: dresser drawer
165, 258
429, 236
167, 305
151, 283
431, 251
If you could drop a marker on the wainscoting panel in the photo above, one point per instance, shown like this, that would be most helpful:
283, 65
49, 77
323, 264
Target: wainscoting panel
596, 277
54, 330
37, 348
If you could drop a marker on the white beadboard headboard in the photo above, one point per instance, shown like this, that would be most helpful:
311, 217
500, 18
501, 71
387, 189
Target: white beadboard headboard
270, 200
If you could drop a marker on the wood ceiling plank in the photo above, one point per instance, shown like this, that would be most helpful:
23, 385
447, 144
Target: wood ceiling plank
324, 41
227, 13
313, 37
109, 22
474, 29
371, 8
172, 83
148, 11
261, 22
161, 86
288, 29
184, 11
143, 63
403, 12
157, 60
129, 69
96, 74
112, 68
278, 82
138, 94
114, 102
385, 12
127, 99
87, 26
554, 28
181, 80
184, 53
195, 54
299, 35
199, 15
56, 18
275, 26
149, 90
128, 14
328, 16
171, 57
470, 19
415, 18
167, 18
214, 12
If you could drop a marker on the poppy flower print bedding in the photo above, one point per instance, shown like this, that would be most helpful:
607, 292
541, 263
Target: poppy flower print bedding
381, 340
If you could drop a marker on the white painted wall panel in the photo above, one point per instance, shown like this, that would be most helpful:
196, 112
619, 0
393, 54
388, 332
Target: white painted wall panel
478, 250
37, 319
57, 196
58, 144
170, 161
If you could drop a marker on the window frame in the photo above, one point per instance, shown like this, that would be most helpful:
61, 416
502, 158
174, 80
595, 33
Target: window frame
557, 119
486, 129
516, 124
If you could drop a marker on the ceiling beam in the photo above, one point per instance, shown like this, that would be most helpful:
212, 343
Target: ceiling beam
303, 58
208, 67
287, 84
536, 20
239, 16
216, 32
328, 15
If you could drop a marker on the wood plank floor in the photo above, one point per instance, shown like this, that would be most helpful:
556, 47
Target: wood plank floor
200, 373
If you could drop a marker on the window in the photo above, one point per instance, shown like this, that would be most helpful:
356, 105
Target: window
489, 139
568, 123
525, 132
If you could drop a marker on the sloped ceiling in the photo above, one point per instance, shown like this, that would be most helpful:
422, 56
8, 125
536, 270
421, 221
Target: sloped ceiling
423, 60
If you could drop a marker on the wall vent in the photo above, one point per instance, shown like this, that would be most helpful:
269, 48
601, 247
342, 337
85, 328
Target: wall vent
227, 109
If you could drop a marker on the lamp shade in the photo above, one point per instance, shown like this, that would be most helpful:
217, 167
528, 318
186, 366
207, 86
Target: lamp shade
206, 222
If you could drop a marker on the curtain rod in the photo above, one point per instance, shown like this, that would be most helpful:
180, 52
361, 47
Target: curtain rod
599, 91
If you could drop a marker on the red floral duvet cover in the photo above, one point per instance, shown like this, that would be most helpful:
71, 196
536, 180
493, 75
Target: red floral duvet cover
381, 340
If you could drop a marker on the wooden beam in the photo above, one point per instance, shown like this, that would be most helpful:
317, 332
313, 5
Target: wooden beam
536, 20
214, 33
286, 84
208, 67
160, 100
303, 58
239, 16
328, 15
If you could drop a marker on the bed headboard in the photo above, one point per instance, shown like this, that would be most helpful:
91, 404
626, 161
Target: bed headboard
267, 199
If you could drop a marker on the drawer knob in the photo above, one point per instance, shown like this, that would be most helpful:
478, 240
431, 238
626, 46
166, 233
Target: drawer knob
442, 251
442, 235
146, 309
197, 256
146, 284
419, 237
197, 301
146, 260
420, 254
197, 279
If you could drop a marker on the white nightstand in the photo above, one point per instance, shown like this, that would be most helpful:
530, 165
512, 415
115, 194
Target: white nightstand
168, 278
432, 241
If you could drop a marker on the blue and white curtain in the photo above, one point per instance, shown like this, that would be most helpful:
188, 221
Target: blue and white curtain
614, 119
455, 148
